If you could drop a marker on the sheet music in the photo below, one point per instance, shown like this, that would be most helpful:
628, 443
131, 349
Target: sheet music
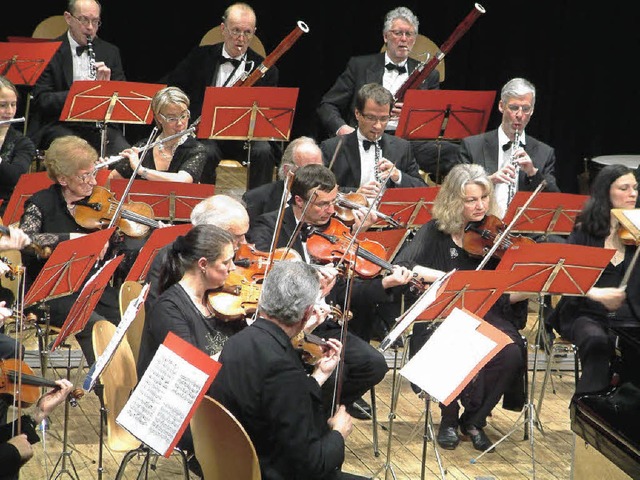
449, 356
103, 360
162, 400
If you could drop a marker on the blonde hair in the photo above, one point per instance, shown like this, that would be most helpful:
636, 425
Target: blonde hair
67, 155
449, 203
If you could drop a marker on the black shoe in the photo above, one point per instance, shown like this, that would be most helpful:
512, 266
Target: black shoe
360, 409
194, 467
480, 440
448, 437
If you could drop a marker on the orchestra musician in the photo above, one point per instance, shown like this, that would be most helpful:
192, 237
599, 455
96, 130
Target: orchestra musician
266, 387
48, 219
368, 155
180, 159
222, 65
17, 151
586, 321
466, 195
365, 367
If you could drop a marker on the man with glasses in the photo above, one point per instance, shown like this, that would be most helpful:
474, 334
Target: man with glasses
368, 158
75, 61
512, 167
391, 69
222, 65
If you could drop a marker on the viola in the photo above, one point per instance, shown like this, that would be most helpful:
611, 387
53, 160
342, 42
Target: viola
311, 346
97, 211
252, 263
479, 237
14, 372
346, 203
626, 236
237, 299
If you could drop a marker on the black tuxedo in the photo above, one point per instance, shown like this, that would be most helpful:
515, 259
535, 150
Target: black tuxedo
193, 75
347, 163
263, 199
482, 150
51, 90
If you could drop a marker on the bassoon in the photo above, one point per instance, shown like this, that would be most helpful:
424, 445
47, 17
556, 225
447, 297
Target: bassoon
424, 69
268, 62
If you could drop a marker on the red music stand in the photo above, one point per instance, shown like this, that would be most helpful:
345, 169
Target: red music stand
409, 206
158, 239
391, 239
109, 101
256, 113
171, 201
546, 214
444, 115
27, 185
24, 62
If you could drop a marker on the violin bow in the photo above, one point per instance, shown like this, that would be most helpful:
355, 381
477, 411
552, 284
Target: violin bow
276, 231
300, 223
335, 152
505, 232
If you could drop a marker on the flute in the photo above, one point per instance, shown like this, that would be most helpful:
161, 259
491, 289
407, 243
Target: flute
13, 120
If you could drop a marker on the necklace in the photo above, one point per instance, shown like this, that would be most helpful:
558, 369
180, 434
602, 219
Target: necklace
173, 148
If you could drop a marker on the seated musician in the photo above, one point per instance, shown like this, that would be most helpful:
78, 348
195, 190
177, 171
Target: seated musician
48, 219
466, 195
180, 159
364, 365
586, 321
268, 390
368, 155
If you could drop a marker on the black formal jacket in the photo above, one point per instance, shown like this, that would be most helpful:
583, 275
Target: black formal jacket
482, 150
51, 90
263, 199
338, 104
198, 69
346, 166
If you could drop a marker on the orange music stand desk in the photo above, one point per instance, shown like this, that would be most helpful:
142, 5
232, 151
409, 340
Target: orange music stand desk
409, 206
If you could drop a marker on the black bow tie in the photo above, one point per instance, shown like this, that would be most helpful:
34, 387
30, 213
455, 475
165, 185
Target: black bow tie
507, 145
232, 61
393, 66
80, 49
367, 145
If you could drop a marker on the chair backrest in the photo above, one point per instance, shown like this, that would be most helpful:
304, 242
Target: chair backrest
50, 27
214, 36
423, 46
129, 291
222, 446
118, 379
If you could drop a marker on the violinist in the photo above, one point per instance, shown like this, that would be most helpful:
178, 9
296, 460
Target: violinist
586, 321
48, 219
365, 366
180, 159
466, 195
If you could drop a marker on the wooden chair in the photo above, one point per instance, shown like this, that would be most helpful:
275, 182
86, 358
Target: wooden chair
50, 27
129, 291
423, 46
222, 446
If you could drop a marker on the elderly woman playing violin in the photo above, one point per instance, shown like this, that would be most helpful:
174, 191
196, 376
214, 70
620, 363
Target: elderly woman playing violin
180, 159
586, 321
466, 196
48, 219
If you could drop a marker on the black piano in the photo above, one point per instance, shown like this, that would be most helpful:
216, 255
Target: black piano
610, 422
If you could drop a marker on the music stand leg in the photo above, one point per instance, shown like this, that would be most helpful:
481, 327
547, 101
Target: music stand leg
429, 435
66, 454
103, 138
99, 391
247, 146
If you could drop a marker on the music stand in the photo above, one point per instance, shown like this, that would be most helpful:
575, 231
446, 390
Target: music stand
409, 206
257, 113
444, 115
548, 268
27, 185
158, 239
171, 201
391, 240
109, 101
23, 63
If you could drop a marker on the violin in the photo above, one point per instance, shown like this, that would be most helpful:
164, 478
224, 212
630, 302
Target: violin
252, 263
42, 252
479, 237
311, 346
16, 372
346, 203
236, 300
626, 236
97, 211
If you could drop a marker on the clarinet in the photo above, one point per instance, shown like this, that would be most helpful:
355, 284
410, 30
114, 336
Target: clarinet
93, 74
512, 159
376, 163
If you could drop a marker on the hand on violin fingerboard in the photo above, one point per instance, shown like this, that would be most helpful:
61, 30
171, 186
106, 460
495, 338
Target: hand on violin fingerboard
359, 219
328, 276
399, 276
13, 239
52, 399
328, 362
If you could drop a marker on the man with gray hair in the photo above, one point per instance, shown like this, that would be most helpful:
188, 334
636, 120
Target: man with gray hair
266, 387
266, 198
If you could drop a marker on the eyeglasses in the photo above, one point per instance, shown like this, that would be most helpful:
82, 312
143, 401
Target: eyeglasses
373, 119
85, 22
401, 33
526, 109
326, 204
185, 116
237, 33
85, 177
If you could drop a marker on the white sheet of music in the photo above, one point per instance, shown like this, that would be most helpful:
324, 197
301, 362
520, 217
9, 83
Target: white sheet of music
451, 353
162, 400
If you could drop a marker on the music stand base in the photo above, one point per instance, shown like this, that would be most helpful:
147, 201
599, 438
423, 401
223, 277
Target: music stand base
429, 436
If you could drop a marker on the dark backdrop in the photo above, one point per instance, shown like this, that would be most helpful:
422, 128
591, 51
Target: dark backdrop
579, 56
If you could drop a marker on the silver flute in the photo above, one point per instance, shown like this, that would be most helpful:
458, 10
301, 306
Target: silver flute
13, 120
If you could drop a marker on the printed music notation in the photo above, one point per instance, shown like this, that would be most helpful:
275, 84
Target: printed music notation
162, 404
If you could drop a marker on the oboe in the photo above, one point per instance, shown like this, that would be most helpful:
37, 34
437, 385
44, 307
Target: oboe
93, 74
512, 160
